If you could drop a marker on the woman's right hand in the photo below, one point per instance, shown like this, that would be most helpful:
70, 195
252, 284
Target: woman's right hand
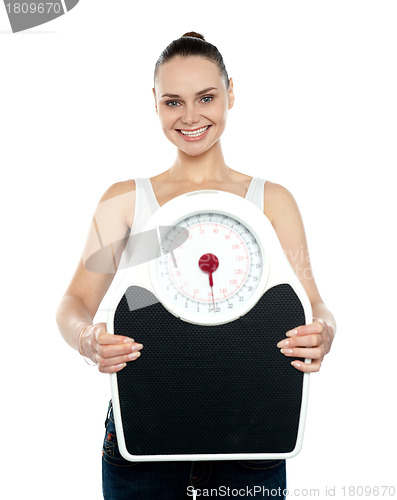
109, 352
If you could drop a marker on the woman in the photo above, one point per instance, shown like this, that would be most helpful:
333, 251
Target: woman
192, 94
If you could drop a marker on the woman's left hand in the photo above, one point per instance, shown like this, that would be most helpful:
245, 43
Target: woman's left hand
312, 341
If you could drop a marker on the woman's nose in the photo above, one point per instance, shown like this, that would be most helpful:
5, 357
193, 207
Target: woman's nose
190, 115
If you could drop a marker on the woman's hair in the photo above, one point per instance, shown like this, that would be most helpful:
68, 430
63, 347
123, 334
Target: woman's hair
192, 44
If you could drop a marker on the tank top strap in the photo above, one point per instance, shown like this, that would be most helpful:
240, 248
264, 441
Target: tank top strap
145, 203
255, 193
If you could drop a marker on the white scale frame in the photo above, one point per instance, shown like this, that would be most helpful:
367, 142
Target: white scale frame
276, 270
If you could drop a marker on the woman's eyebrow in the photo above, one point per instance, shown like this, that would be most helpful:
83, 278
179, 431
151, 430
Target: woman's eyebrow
197, 93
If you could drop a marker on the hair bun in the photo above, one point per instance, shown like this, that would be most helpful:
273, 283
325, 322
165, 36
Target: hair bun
194, 35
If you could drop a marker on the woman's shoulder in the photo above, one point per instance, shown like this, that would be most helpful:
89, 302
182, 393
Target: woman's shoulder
276, 191
119, 198
118, 189
278, 200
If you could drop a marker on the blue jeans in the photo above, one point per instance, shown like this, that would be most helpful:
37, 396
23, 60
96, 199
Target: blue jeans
124, 480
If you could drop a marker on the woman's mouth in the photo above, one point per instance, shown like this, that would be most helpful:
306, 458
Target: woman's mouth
194, 135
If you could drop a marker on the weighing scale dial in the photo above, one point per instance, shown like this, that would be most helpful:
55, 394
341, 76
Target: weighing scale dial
210, 268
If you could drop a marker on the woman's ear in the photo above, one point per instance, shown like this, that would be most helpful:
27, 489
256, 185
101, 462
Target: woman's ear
155, 102
231, 93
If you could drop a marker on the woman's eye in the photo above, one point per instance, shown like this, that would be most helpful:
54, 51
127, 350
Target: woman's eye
176, 104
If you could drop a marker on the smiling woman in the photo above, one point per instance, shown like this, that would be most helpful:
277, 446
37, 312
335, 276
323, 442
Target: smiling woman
192, 113
192, 96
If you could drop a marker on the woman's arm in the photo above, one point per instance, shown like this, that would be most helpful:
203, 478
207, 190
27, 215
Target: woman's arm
105, 242
314, 340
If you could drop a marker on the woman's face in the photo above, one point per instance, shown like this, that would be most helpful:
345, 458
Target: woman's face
190, 95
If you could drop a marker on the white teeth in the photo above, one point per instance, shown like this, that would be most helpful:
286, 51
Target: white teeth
196, 132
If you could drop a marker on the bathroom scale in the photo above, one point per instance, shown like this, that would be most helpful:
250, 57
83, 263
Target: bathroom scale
209, 292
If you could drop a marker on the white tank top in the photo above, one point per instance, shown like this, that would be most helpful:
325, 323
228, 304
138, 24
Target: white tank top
145, 205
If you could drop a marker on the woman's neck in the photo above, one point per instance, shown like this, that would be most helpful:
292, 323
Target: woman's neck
209, 166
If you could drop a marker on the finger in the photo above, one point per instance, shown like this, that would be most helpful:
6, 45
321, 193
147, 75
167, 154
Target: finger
321, 321
309, 340
314, 366
108, 362
112, 369
303, 353
305, 329
104, 338
112, 351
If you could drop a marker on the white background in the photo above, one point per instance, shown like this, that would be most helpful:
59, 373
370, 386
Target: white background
316, 106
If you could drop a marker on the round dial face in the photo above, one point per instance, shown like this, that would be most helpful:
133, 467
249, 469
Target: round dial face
210, 268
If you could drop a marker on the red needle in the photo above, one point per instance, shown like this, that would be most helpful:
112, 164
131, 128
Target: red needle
213, 302
209, 263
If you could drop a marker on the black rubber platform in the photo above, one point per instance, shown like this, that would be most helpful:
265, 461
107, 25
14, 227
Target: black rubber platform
210, 389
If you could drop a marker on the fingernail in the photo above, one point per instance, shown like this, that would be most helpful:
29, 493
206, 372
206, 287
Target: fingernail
296, 364
123, 365
128, 341
283, 343
286, 351
291, 333
136, 347
134, 355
